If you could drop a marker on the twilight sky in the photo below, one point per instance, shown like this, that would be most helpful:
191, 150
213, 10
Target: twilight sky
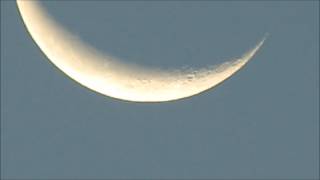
261, 123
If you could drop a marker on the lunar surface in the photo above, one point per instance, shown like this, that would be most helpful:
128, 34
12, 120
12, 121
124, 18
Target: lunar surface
113, 77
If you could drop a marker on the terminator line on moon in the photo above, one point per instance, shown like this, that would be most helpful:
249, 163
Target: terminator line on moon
112, 77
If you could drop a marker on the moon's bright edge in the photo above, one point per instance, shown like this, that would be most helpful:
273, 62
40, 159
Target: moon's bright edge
112, 77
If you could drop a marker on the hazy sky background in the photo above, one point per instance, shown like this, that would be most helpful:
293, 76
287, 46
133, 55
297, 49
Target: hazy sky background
261, 123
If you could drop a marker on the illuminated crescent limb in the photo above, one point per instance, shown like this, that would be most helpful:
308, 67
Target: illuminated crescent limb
112, 77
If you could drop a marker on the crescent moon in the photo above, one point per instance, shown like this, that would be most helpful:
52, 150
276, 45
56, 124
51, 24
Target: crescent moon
113, 77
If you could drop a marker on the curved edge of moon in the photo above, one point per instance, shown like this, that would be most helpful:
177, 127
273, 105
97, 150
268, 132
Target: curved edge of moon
112, 77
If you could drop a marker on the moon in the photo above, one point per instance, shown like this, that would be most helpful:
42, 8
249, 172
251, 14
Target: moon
115, 78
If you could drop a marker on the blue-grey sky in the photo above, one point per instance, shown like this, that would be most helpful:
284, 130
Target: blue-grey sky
261, 123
